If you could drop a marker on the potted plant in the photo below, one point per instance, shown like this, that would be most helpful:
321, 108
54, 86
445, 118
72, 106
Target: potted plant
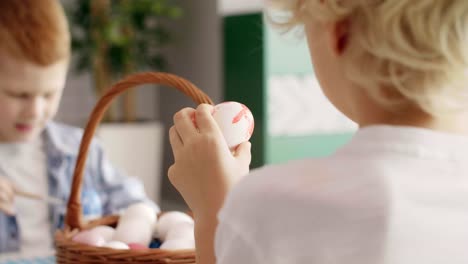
114, 38
118, 37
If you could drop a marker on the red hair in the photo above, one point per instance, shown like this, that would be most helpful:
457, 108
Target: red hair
34, 30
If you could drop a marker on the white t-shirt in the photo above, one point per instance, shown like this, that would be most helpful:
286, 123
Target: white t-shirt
393, 195
25, 165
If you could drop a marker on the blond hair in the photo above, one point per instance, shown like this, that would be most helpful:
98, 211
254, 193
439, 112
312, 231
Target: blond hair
400, 51
34, 30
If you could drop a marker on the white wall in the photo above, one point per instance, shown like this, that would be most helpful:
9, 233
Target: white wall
196, 56
79, 99
227, 7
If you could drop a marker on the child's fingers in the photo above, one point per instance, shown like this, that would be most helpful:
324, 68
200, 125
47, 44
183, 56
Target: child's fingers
243, 152
175, 141
184, 124
6, 192
205, 120
8, 209
6, 197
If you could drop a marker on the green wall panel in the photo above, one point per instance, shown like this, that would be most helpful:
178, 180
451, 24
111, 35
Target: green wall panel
282, 149
253, 52
286, 53
244, 79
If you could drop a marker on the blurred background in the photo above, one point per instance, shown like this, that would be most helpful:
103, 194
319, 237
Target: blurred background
224, 47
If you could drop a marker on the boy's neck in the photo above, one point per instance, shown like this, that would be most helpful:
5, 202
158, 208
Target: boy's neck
369, 113
452, 124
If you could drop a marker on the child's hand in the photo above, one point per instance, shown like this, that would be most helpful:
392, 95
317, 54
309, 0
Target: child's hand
204, 168
7, 195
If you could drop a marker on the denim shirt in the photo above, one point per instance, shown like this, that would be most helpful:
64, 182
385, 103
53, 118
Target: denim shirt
105, 190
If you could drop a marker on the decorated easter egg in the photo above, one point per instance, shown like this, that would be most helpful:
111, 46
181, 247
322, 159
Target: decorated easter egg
235, 121
137, 246
155, 243
89, 238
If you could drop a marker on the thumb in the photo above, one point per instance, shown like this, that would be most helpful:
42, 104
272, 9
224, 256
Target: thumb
243, 153
8, 209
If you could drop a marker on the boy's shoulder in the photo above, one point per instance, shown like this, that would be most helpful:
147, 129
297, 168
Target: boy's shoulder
310, 183
305, 197
289, 202
61, 128
316, 173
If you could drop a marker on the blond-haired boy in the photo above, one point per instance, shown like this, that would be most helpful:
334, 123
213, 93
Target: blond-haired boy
37, 154
397, 193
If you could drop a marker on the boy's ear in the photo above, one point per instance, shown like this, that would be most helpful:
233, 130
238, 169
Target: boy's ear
339, 34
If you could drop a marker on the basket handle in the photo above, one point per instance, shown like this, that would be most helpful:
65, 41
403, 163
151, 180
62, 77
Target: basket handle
74, 217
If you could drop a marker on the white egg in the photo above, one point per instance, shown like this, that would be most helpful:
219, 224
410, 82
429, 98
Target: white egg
89, 238
116, 245
180, 231
136, 224
178, 244
169, 219
133, 230
106, 232
235, 121
141, 210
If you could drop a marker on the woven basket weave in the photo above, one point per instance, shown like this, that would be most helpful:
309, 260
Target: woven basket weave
68, 251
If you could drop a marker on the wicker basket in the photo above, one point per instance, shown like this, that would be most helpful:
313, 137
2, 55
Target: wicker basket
68, 251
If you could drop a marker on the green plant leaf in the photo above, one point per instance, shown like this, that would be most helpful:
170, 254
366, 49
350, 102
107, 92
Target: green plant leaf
132, 32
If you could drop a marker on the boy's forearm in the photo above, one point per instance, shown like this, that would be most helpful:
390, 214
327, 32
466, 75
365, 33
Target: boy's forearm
204, 240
